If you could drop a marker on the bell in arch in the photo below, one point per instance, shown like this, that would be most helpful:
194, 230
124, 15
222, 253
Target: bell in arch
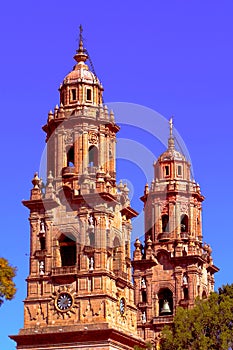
166, 308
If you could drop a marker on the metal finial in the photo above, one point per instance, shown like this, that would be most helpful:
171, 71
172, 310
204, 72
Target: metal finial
80, 32
80, 55
171, 141
81, 29
80, 38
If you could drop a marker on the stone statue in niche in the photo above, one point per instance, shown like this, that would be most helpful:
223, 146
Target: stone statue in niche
143, 282
42, 226
185, 279
41, 267
144, 317
91, 264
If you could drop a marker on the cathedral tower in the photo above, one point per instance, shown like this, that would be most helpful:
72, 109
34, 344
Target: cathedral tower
174, 266
79, 289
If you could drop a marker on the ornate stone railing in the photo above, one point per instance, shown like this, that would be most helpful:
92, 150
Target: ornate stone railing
69, 170
163, 236
120, 273
184, 235
163, 319
64, 270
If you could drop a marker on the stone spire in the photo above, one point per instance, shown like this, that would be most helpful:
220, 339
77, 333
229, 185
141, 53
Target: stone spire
81, 55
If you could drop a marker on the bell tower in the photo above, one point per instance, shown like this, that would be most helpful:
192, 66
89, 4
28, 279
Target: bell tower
173, 266
79, 289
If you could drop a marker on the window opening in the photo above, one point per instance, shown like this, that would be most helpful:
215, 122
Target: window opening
167, 170
165, 302
73, 95
179, 170
184, 221
165, 223
42, 243
70, 157
144, 296
67, 250
93, 156
89, 95
186, 293
92, 239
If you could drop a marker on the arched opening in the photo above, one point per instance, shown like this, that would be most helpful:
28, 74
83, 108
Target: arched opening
70, 157
42, 242
116, 254
93, 156
165, 223
204, 295
144, 296
92, 238
186, 293
67, 250
184, 223
165, 302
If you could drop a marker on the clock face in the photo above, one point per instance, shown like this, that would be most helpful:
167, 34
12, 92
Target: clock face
122, 306
64, 301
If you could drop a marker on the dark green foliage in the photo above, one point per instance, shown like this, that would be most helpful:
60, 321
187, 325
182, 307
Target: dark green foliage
208, 326
7, 286
148, 346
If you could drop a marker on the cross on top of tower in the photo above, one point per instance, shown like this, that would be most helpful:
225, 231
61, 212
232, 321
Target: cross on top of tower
171, 142
81, 55
80, 37
171, 126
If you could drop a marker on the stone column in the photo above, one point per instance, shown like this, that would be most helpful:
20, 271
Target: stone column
76, 150
113, 155
85, 151
159, 219
156, 305
68, 95
48, 246
191, 220
200, 221
60, 153
101, 151
178, 288
192, 273
106, 156
33, 245
172, 217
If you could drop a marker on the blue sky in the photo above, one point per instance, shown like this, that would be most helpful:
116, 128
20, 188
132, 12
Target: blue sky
172, 56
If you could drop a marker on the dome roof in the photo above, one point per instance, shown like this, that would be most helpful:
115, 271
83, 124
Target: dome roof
81, 72
171, 154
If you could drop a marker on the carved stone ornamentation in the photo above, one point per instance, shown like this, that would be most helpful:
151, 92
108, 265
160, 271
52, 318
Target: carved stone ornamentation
36, 312
93, 138
163, 206
69, 137
184, 208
